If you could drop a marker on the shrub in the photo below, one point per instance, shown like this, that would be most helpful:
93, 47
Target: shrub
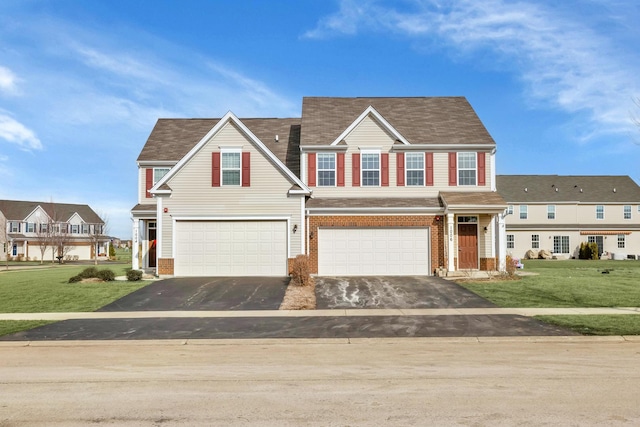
106, 275
112, 252
588, 251
134, 275
75, 279
511, 266
301, 270
88, 273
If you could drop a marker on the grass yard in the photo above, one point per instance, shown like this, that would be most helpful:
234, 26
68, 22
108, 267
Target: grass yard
572, 283
12, 326
47, 290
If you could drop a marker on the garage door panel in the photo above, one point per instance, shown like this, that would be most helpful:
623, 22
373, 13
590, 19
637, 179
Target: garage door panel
377, 251
231, 248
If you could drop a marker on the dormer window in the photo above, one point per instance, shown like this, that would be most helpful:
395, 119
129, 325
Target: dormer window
326, 169
370, 168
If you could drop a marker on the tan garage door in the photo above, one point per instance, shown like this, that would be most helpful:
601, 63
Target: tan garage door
373, 251
231, 248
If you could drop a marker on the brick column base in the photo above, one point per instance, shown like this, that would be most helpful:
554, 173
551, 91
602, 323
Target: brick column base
165, 266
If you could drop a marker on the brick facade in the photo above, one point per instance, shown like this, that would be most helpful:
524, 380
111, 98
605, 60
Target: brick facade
165, 266
434, 222
488, 264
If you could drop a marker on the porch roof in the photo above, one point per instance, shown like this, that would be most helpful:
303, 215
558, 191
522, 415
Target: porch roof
473, 201
374, 203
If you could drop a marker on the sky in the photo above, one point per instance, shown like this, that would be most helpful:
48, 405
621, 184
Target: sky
82, 83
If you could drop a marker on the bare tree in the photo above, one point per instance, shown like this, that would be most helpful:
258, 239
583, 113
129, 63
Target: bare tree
62, 240
97, 234
44, 233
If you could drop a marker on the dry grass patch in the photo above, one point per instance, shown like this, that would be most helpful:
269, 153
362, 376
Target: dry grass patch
299, 297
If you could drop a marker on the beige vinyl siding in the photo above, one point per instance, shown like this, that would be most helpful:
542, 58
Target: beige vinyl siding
613, 214
369, 134
193, 194
573, 214
485, 242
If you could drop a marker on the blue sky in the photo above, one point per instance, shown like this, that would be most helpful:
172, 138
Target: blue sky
83, 82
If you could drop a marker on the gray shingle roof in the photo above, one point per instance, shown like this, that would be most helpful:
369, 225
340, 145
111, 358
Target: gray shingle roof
171, 139
466, 198
570, 188
17, 210
421, 120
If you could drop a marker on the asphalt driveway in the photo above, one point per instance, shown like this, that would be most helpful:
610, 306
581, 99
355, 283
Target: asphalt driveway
251, 293
205, 293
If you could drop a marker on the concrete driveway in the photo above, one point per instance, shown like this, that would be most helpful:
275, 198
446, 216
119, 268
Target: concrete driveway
394, 292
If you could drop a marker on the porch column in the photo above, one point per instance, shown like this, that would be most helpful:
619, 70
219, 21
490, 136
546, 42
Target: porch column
450, 232
502, 242
135, 250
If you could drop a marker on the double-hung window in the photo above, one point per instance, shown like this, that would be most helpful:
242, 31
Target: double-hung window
31, 227
627, 212
511, 242
14, 227
600, 212
551, 212
621, 241
326, 169
414, 166
510, 210
523, 211
230, 167
467, 168
370, 169
535, 241
158, 173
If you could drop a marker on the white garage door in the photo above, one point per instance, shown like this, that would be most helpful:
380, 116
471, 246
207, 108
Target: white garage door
231, 248
373, 251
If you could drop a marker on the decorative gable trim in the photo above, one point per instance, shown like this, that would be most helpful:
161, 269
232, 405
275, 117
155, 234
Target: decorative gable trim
370, 111
230, 117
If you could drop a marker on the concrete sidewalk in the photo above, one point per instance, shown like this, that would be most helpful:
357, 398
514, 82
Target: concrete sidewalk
527, 312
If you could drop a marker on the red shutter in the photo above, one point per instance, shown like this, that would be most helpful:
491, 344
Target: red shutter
355, 170
340, 168
428, 173
149, 183
453, 170
246, 169
481, 169
215, 170
311, 169
384, 163
400, 169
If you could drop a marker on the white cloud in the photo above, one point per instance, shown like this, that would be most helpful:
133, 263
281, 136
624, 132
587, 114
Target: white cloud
15, 132
8, 81
562, 58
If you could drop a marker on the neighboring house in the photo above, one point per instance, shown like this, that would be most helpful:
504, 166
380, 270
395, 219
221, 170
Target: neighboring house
30, 225
397, 186
557, 213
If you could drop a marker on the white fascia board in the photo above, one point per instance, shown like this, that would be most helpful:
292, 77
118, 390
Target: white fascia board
232, 218
299, 192
157, 163
373, 211
488, 148
229, 117
314, 148
382, 120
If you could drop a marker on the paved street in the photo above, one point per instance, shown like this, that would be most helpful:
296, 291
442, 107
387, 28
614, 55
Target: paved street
464, 381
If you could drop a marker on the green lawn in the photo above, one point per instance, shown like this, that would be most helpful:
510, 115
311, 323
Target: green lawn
572, 283
47, 290
12, 326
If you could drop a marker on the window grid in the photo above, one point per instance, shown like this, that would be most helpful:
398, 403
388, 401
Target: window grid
600, 212
510, 210
621, 241
561, 244
467, 168
415, 168
326, 169
159, 173
230, 167
370, 169
627, 212
535, 241
510, 241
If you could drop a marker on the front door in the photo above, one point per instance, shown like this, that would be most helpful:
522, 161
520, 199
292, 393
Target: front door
151, 257
467, 246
